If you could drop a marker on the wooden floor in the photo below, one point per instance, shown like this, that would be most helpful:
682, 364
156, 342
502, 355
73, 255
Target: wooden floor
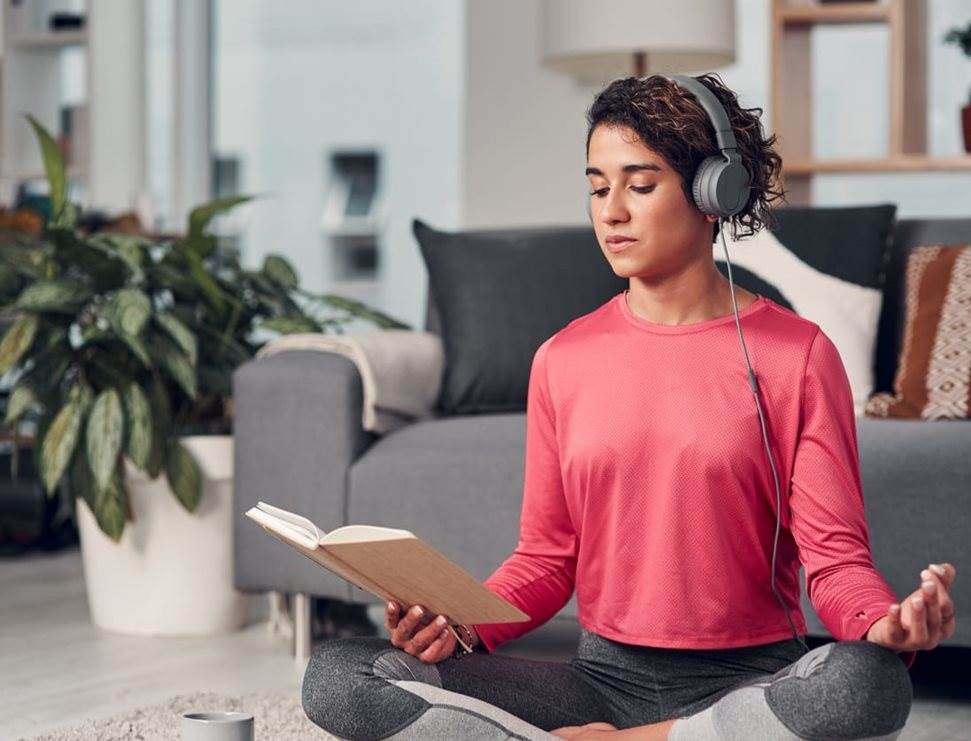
57, 668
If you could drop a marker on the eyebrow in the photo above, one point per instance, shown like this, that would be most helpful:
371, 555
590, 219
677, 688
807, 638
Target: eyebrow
633, 167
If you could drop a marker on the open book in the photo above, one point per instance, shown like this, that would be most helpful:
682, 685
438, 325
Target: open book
393, 565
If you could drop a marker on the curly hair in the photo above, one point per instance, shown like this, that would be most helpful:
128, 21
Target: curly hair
668, 119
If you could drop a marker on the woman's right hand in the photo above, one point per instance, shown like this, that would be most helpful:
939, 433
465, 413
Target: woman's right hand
418, 633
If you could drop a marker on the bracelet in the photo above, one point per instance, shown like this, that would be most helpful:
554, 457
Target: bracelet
464, 647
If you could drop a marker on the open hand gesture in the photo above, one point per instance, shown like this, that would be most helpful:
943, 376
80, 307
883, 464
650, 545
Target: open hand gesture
924, 618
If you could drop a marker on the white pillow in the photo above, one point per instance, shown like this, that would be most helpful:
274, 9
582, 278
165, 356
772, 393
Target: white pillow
848, 313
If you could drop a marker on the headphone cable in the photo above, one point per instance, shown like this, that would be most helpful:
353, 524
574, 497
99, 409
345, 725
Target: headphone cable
753, 382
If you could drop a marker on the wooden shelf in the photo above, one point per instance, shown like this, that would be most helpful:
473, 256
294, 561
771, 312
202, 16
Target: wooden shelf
900, 163
850, 12
49, 39
906, 22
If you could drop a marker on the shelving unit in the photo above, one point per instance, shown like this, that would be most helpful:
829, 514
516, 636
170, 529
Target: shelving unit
792, 23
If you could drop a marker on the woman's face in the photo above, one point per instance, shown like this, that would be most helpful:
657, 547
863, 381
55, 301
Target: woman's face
636, 194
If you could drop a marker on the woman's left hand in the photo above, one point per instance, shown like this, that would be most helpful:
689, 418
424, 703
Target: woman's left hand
589, 732
922, 620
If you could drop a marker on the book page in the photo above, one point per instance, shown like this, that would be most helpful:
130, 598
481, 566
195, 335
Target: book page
364, 534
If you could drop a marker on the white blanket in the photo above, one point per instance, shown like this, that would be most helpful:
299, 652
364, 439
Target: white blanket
401, 370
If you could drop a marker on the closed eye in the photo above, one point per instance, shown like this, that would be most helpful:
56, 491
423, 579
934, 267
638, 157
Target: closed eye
600, 193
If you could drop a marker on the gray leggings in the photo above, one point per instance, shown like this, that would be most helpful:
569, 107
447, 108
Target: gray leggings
365, 688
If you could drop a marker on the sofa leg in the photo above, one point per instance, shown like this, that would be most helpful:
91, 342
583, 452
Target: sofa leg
279, 622
302, 627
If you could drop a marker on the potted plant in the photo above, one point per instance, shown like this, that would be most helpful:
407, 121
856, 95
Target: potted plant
962, 37
122, 347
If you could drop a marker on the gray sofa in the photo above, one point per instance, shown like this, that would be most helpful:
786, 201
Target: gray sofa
457, 481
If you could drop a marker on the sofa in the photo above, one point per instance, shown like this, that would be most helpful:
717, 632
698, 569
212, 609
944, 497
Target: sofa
457, 481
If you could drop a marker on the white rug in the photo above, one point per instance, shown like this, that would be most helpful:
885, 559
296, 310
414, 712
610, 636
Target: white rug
276, 716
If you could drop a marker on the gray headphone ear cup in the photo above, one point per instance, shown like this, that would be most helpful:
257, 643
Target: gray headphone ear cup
701, 185
732, 188
721, 188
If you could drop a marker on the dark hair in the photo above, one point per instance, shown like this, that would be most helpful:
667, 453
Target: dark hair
667, 118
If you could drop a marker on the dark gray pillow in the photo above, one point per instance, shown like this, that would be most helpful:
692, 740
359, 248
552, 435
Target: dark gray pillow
499, 294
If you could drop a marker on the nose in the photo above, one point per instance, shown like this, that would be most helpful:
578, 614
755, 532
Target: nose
614, 209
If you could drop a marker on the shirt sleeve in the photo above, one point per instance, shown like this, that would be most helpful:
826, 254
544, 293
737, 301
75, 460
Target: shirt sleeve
540, 574
828, 520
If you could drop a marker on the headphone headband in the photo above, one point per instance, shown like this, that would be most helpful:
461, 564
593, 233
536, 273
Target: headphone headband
721, 183
713, 107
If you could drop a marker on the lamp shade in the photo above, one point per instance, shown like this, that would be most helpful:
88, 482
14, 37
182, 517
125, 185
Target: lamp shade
598, 40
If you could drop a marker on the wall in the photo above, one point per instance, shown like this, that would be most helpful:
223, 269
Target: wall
525, 128
475, 132
294, 80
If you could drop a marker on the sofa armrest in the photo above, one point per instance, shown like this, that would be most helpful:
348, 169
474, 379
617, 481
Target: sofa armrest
297, 428
401, 370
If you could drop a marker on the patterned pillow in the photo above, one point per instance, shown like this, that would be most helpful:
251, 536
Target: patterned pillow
934, 371
825, 264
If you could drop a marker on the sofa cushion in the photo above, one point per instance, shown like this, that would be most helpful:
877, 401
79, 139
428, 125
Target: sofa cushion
827, 265
455, 481
499, 295
934, 374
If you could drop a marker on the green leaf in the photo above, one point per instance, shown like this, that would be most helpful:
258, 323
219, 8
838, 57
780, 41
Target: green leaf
177, 365
104, 433
139, 412
82, 395
290, 325
63, 296
131, 249
80, 480
16, 341
10, 282
53, 166
281, 272
184, 475
200, 216
111, 506
203, 245
181, 334
22, 398
210, 289
131, 310
161, 410
138, 347
58, 445
27, 260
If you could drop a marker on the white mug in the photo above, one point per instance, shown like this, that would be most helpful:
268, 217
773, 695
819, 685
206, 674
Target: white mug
217, 727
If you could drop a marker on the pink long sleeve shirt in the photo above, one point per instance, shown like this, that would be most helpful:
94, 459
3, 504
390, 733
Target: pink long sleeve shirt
647, 487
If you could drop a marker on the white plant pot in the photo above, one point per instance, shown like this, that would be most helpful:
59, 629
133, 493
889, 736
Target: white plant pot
172, 571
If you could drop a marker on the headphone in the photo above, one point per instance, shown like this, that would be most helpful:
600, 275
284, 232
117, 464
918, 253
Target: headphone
720, 187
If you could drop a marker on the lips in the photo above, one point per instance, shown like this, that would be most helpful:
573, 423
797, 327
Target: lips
616, 244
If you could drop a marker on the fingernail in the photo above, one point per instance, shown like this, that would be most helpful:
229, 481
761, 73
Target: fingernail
928, 586
937, 569
418, 611
918, 602
443, 634
925, 575
894, 609
439, 620
390, 607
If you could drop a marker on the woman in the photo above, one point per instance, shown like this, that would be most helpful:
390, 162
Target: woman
647, 491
